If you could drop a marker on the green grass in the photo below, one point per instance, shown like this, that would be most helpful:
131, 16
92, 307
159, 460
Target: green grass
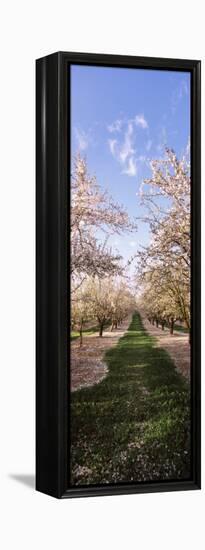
134, 425
179, 328
86, 331
74, 334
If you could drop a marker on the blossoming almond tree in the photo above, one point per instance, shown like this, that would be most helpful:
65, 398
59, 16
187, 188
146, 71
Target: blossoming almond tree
123, 302
100, 293
93, 214
110, 300
165, 262
81, 311
163, 299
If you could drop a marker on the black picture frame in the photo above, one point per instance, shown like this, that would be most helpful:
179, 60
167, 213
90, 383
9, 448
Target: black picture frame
52, 262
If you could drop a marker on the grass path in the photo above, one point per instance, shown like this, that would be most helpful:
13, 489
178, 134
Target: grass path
134, 425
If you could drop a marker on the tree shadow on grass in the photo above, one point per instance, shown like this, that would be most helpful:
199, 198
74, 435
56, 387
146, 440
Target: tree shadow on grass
134, 425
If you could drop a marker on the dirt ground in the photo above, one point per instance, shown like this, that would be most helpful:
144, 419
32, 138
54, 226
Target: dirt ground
177, 345
87, 366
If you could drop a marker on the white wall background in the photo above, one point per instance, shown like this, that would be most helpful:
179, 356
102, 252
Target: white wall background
30, 30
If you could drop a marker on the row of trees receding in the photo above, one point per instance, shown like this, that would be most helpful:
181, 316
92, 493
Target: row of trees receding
99, 289
106, 301
164, 265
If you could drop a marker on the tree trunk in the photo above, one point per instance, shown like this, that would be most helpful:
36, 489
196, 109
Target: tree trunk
163, 323
81, 334
172, 326
157, 323
101, 329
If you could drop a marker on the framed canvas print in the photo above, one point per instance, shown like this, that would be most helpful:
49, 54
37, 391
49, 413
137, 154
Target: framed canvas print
118, 274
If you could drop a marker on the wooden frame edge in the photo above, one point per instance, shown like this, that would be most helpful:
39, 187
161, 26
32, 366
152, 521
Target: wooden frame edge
52, 122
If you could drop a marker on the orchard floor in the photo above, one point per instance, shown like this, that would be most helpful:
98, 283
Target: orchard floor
87, 362
134, 424
177, 345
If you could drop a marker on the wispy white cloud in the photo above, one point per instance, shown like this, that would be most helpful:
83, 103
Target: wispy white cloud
82, 139
141, 121
123, 150
112, 146
131, 168
127, 147
123, 145
141, 158
116, 126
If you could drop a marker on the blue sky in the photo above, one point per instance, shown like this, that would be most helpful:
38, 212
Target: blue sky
122, 118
